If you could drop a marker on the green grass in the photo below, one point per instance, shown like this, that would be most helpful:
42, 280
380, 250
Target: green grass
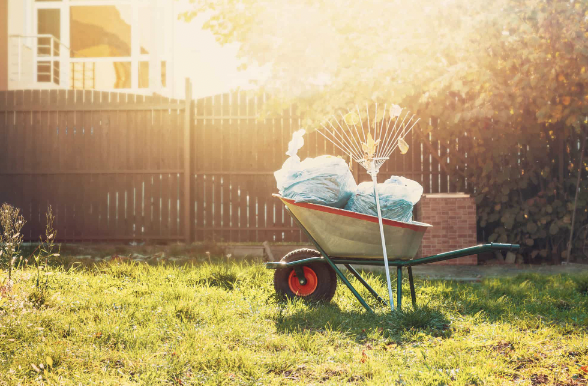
222, 324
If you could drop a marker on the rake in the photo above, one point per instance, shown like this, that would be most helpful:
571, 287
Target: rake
370, 141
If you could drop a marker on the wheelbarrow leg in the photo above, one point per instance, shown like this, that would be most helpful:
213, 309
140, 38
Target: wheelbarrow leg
344, 280
365, 284
412, 292
399, 287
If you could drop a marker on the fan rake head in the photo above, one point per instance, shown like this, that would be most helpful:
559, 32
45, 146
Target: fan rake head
370, 140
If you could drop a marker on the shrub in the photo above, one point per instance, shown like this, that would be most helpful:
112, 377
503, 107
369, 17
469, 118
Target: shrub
11, 224
46, 250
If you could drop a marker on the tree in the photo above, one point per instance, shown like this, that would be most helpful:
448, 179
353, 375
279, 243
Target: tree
501, 83
338, 53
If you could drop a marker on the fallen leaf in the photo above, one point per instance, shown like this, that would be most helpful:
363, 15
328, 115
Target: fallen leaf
363, 357
395, 111
351, 118
369, 147
402, 145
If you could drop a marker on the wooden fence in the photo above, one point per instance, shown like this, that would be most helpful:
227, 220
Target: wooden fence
117, 166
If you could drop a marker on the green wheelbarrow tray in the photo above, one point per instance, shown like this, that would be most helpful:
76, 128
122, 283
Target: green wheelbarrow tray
347, 238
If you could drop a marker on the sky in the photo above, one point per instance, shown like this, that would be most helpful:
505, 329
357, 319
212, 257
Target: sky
211, 67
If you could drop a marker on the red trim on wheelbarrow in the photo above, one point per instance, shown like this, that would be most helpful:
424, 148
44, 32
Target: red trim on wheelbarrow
359, 216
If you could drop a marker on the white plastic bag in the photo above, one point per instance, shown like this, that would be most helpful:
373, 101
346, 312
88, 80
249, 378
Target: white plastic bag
397, 195
324, 180
292, 164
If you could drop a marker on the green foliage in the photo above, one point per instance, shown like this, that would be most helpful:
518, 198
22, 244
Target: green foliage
422, 318
169, 325
524, 108
46, 251
11, 223
502, 84
582, 284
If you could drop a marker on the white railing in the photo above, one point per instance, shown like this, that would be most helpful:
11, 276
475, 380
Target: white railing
38, 59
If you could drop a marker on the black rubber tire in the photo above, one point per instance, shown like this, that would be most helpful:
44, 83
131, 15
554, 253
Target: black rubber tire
326, 277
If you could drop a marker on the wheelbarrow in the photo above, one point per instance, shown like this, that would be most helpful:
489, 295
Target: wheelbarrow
342, 237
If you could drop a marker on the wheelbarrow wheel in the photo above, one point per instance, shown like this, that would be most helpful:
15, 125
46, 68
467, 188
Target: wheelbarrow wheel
321, 280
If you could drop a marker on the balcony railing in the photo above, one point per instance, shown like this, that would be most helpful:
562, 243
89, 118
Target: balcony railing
38, 59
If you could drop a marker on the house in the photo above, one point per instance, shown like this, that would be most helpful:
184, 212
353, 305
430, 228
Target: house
108, 45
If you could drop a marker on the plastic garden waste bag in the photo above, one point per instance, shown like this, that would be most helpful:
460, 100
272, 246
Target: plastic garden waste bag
398, 195
324, 180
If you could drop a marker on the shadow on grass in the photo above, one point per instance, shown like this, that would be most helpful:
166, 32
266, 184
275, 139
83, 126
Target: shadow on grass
529, 299
398, 326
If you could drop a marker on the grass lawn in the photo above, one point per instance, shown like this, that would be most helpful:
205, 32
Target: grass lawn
222, 324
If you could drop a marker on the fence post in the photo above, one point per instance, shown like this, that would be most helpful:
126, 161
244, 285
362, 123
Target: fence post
187, 163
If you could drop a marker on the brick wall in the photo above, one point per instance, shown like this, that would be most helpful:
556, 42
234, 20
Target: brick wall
453, 216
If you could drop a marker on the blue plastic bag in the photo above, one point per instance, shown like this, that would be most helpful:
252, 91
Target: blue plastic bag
398, 195
324, 180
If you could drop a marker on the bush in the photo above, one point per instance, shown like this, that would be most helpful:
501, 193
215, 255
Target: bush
11, 224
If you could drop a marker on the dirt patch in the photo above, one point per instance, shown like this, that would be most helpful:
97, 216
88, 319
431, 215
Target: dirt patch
539, 379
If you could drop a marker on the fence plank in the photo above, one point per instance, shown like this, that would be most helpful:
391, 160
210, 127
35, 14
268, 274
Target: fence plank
174, 192
103, 193
90, 226
241, 195
226, 158
112, 121
25, 156
16, 153
185, 211
233, 145
198, 188
50, 128
3, 130
208, 164
161, 181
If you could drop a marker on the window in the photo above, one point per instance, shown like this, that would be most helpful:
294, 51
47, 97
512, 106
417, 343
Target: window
48, 25
83, 75
100, 31
143, 74
146, 30
110, 44
103, 75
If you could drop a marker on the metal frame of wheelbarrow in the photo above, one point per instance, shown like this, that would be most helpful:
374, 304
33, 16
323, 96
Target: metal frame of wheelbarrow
399, 264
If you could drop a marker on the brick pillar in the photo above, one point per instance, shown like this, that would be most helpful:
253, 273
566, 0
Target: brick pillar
453, 216
3, 45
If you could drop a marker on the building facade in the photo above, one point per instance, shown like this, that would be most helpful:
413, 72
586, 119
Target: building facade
108, 45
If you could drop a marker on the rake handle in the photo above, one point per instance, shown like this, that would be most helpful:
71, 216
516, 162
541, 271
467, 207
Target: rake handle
384, 252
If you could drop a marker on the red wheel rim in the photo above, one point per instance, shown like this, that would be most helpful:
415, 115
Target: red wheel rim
308, 288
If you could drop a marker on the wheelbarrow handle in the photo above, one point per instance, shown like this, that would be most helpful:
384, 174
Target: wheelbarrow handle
505, 247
